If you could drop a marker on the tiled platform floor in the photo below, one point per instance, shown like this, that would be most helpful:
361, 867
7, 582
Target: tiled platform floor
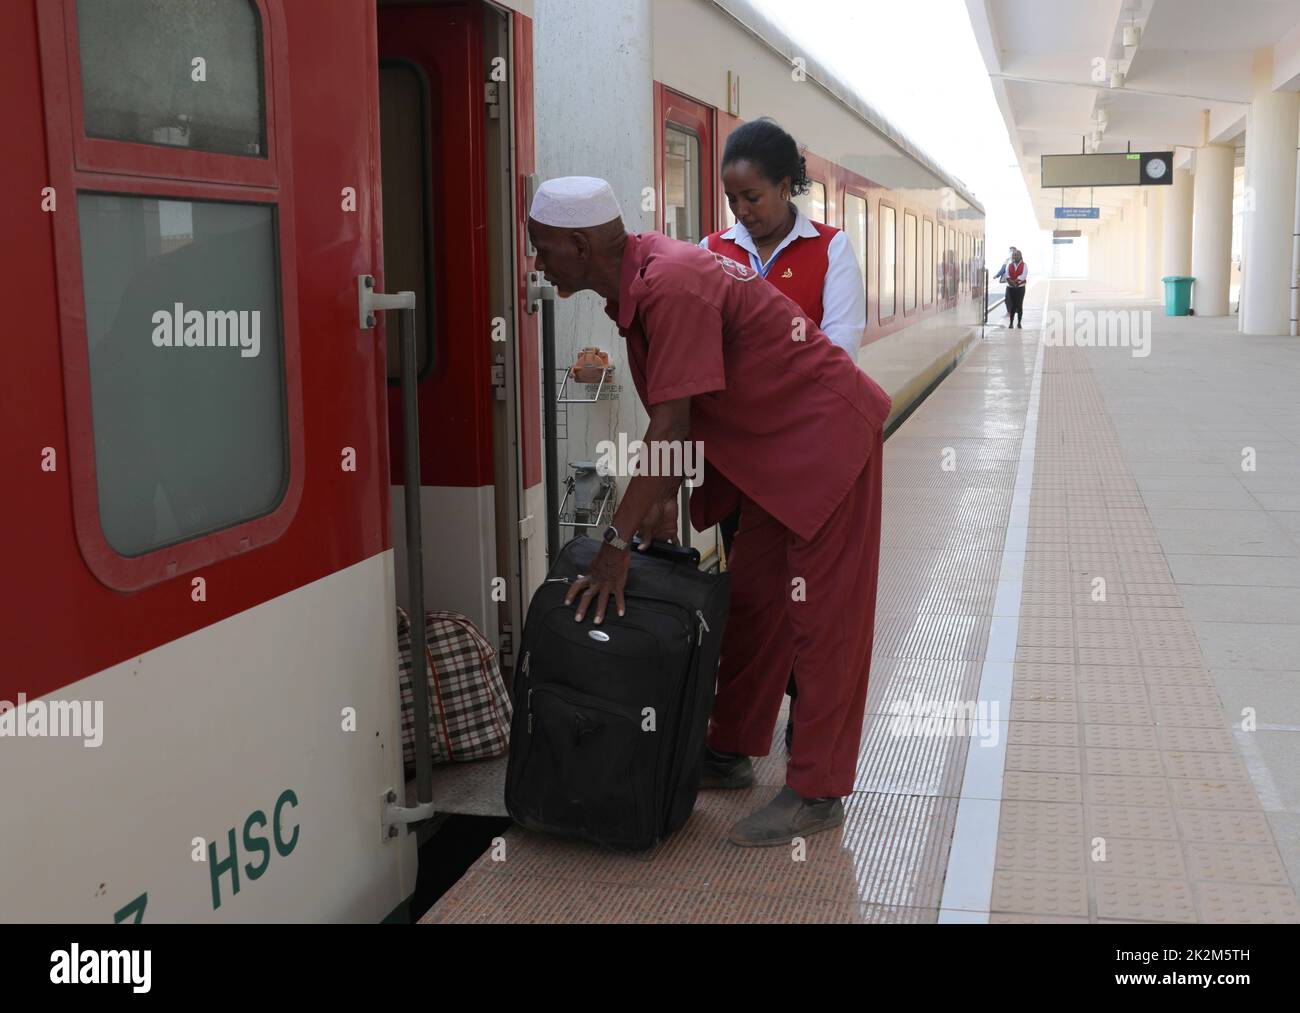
1124, 795
1115, 745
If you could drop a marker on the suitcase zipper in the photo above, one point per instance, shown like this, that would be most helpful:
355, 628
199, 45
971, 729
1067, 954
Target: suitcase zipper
523, 670
703, 628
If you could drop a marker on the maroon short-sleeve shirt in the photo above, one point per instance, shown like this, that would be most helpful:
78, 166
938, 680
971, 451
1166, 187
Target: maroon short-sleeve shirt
783, 414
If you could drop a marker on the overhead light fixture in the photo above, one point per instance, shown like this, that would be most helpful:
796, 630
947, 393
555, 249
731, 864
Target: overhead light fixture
1103, 121
1132, 36
1117, 79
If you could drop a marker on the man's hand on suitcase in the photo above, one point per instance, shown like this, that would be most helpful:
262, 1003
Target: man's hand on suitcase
608, 577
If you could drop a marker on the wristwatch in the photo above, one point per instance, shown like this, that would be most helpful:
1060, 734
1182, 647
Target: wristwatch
611, 538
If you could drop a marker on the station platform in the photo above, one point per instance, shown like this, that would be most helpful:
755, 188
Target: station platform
1075, 564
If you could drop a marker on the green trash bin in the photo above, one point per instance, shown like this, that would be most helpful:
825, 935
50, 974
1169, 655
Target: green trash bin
1178, 295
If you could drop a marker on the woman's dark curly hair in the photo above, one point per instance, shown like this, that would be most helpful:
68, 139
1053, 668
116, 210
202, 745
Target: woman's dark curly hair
772, 150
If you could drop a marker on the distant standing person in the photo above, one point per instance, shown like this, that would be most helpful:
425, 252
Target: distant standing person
1017, 274
1002, 271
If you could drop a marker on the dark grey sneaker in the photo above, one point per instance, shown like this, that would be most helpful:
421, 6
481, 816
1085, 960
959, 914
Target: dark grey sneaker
726, 770
786, 817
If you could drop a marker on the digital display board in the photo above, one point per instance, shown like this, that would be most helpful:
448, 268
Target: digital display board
1119, 168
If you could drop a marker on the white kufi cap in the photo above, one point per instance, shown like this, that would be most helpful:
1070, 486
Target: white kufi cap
575, 202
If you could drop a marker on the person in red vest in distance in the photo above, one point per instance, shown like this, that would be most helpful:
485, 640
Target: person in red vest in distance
793, 431
1017, 274
812, 263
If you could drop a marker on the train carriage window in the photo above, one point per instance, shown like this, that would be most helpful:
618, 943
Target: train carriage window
175, 263
186, 365
941, 279
952, 264
927, 263
855, 226
174, 73
888, 261
909, 262
408, 231
681, 183
813, 203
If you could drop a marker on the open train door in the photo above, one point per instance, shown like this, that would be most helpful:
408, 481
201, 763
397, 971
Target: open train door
456, 138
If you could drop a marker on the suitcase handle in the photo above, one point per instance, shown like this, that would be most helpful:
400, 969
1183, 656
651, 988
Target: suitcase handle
667, 550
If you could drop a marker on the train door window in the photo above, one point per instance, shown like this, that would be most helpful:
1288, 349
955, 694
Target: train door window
189, 77
172, 459
682, 183
178, 309
813, 203
855, 226
408, 231
888, 261
909, 262
927, 262
685, 178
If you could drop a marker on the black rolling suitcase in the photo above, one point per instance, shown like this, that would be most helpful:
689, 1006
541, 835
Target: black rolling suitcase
609, 720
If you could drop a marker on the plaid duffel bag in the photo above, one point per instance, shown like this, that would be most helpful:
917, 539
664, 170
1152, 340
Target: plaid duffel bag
469, 709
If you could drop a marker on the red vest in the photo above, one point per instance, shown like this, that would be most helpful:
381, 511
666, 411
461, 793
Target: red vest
799, 273
1015, 272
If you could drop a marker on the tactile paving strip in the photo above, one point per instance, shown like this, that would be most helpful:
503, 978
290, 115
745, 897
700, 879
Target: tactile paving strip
1124, 796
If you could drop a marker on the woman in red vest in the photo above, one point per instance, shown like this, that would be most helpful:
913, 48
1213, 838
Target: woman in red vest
1017, 275
811, 263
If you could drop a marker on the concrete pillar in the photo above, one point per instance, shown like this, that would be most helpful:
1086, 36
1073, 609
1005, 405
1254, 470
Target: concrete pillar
1212, 229
1130, 256
1107, 255
1151, 274
1124, 240
1138, 281
1271, 137
1112, 252
1176, 244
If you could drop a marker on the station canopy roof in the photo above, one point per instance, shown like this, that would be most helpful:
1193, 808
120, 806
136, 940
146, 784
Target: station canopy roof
1058, 68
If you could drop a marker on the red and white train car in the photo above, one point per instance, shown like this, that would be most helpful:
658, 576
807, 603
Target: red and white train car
198, 445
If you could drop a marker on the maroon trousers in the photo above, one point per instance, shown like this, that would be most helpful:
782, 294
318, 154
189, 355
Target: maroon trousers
810, 604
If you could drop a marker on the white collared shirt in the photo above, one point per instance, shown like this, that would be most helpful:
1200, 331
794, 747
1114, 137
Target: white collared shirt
844, 300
